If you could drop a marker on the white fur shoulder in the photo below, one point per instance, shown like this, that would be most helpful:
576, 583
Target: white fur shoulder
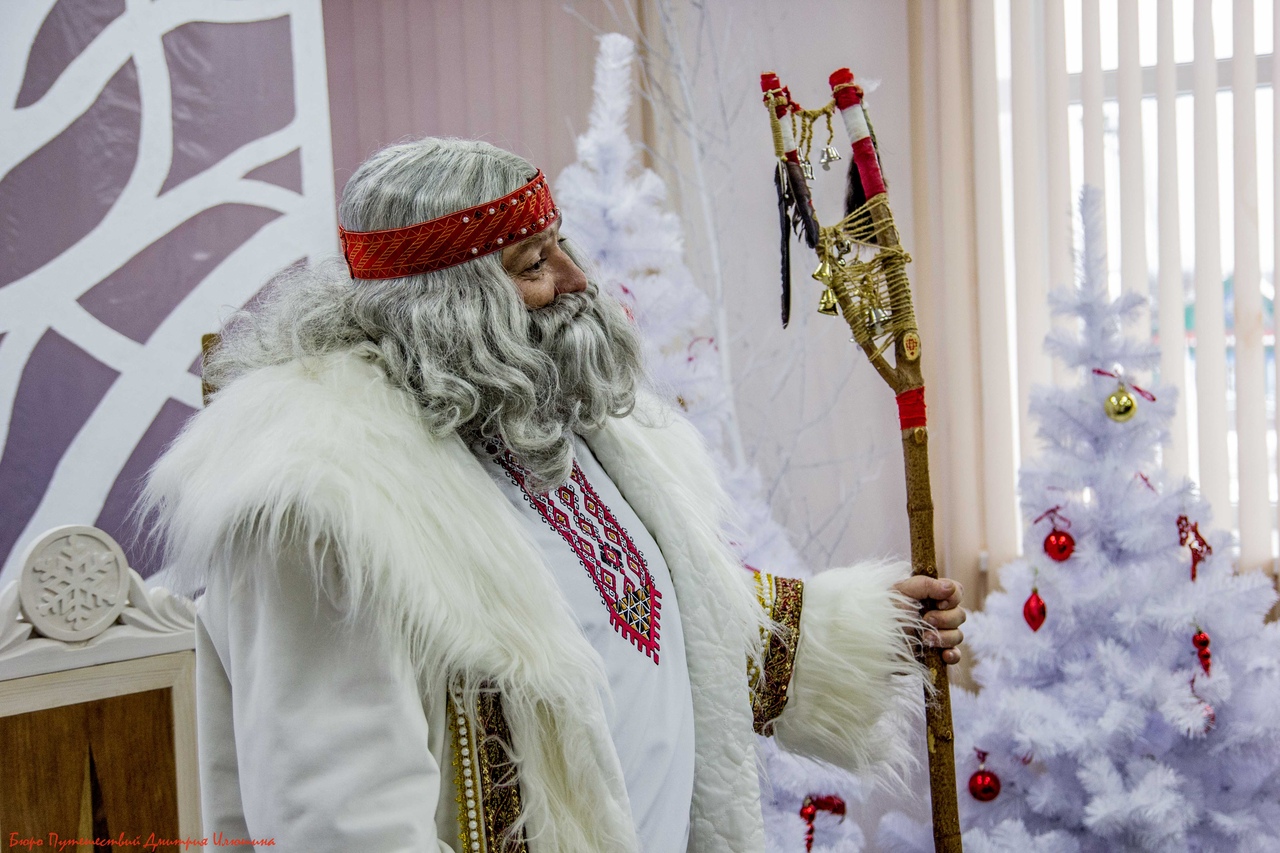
302, 435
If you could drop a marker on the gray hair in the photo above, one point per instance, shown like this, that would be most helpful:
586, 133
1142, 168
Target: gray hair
460, 340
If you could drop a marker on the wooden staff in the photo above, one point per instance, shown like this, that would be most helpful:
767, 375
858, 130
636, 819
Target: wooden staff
875, 299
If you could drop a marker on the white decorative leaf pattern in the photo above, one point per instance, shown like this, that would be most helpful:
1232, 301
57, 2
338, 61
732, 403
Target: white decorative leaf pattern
151, 373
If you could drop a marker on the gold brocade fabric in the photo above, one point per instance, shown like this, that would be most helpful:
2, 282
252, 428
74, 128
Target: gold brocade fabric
488, 788
782, 599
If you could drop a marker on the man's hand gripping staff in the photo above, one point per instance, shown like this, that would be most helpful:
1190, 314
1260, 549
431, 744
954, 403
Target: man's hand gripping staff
862, 268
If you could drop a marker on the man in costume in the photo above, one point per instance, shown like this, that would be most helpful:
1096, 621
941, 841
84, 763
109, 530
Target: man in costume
467, 583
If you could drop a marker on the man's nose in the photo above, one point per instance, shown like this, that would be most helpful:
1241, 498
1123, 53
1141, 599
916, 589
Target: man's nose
570, 278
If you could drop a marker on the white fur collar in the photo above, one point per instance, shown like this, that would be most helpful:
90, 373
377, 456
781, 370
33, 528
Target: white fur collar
329, 451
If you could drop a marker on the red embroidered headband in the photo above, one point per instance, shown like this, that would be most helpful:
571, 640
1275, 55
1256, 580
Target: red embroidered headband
453, 238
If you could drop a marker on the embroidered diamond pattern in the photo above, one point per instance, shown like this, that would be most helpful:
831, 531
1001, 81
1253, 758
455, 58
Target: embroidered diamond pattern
634, 610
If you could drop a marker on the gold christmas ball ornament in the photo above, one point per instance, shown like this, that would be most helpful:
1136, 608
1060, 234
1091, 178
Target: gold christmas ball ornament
1121, 405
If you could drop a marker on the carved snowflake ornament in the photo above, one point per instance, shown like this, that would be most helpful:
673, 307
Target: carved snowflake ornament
75, 583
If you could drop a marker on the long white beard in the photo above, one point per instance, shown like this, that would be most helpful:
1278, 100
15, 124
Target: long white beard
597, 357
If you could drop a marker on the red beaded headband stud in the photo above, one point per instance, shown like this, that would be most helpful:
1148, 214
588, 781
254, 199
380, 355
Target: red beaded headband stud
453, 238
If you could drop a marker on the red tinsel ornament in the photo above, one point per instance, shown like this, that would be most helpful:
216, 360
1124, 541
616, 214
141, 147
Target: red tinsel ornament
984, 785
1210, 717
1034, 611
1201, 642
810, 808
1189, 535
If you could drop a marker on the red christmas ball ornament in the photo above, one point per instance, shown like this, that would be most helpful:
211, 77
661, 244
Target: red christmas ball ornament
984, 786
1033, 611
1201, 642
1059, 544
1206, 660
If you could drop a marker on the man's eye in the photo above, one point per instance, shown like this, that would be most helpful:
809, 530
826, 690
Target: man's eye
536, 266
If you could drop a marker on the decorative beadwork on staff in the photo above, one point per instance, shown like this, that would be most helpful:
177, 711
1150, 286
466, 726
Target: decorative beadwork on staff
451, 239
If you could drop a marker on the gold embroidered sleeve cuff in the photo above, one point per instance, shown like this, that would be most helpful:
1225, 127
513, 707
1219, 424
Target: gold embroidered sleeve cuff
782, 599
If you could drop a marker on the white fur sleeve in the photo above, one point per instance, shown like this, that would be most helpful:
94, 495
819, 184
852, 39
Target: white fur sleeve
855, 694
321, 735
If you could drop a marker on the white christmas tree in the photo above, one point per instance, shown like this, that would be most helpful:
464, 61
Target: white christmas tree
615, 214
1129, 684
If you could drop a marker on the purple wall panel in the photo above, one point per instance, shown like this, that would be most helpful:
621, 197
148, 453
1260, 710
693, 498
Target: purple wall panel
284, 171
136, 298
115, 518
232, 83
60, 387
65, 32
235, 89
54, 197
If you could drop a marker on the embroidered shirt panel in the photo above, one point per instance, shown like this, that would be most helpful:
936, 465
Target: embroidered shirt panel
782, 599
649, 708
606, 550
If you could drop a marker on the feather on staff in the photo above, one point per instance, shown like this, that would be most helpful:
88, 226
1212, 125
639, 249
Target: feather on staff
795, 206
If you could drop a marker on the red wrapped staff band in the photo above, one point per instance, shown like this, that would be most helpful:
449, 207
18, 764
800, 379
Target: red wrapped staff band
911, 412
451, 239
848, 97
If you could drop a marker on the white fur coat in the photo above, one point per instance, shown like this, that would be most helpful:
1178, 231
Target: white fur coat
326, 454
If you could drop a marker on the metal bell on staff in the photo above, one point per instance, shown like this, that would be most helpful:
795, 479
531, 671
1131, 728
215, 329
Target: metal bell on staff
829, 156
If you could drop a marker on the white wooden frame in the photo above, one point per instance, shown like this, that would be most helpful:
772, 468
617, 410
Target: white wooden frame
175, 671
148, 645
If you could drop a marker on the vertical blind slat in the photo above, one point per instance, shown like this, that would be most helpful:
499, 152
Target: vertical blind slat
924, 44
1275, 191
1173, 339
1211, 361
1029, 250
1133, 236
959, 294
1091, 99
999, 411
1058, 157
1251, 406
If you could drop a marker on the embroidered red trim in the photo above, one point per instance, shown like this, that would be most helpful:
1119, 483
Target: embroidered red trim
615, 564
452, 239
